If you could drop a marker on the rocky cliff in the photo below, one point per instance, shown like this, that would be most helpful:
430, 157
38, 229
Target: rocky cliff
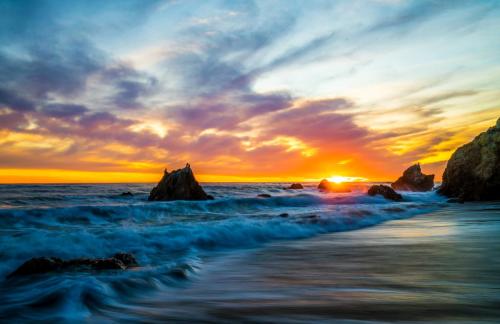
473, 171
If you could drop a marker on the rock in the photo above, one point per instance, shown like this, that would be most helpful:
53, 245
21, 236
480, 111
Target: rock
264, 195
178, 185
37, 266
455, 201
324, 185
386, 191
126, 194
127, 259
284, 215
119, 261
473, 171
327, 186
296, 186
414, 180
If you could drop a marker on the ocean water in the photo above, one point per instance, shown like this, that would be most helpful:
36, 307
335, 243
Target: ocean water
339, 256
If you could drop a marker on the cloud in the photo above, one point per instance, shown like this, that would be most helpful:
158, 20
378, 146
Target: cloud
10, 99
60, 110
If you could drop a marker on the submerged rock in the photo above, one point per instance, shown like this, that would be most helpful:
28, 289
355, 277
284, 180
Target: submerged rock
473, 171
414, 180
264, 195
119, 261
296, 186
327, 186
126, 194
178, 185
386, 191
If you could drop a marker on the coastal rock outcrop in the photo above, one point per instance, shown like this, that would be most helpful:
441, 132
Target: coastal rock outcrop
296, 186
473, 171
119, 261
178, 185
414, 180
386, 191
327, 186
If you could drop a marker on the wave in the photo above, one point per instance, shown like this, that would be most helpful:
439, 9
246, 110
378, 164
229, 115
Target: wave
171, 240
154, 231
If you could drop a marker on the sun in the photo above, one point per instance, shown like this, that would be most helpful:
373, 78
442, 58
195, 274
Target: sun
338, 179
341, 179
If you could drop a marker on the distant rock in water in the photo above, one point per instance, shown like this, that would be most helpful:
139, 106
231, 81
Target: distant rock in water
126, 194
119, 261
328, 186
296, 186
264, 195
178, 185
414, 180
473, 171
386, 191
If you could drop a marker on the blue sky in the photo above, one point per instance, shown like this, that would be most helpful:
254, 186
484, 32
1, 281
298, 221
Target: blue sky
244, 90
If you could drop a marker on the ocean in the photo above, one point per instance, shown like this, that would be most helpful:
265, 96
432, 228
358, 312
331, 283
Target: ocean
298, 257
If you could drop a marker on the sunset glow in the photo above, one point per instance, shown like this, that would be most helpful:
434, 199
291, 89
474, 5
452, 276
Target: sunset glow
244, 91
340, 179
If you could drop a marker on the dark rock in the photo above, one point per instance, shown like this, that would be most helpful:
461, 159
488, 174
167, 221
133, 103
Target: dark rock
284, 215
37, 266
127, 259
178, 185
264, 195
119, 261
210, 197
324, 185
327, 186
296, 186
414, 180
386, 191
126, 194
455, 201
473, 171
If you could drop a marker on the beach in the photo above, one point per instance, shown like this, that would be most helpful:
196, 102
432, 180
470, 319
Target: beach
334, 257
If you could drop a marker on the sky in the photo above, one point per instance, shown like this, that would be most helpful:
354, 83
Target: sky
116, 91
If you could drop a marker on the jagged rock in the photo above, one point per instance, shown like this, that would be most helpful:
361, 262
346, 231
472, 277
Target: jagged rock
296, 186
178, 185
264, 195
328, 186
386, 191
414, 180
126, 194
473, 171
119, 261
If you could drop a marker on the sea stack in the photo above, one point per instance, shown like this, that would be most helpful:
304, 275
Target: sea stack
178, 185
385, 191
327, 186
473, 171
414, 180
296, 186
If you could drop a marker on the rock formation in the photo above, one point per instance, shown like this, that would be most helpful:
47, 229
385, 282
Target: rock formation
414, 180
264, 195
119, 261
296, 186
327, 186
385, 191
473, 171
178, 185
